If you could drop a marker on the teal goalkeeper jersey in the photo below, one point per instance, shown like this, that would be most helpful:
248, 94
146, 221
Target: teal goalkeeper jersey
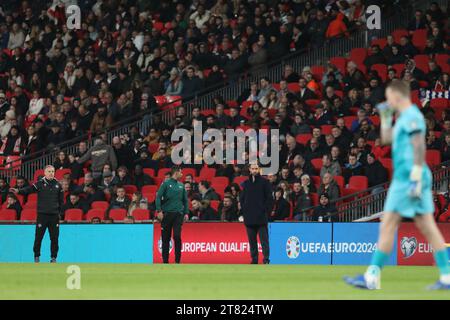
409, 122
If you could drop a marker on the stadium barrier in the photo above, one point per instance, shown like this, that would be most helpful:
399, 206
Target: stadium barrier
81, 243
221, 243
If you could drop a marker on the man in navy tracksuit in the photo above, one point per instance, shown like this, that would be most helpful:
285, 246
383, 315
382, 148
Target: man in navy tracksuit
49, 208
256, 203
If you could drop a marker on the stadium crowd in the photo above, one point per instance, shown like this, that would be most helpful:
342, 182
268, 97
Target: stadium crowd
127, 54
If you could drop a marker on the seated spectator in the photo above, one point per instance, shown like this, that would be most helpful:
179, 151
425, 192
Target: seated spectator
74, 202
122, 177
137, 202
228, 209
107, 182
281, 207
329, 186
325, 212
329, 166
305, 93
4, 189
140, 178
445, 148
92, 193
374, 171
299, 126
352, 168
12, 143
206, 191
233, 190
201, 210
14, 204
62, 162
120, 201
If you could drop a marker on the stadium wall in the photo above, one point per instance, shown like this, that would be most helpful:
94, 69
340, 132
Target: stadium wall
221, 243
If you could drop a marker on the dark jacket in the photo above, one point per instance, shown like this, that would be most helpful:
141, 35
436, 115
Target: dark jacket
376, 173
50, 196
324, 212
210, 194
256, 200
100, 154
80, 204
281, 210
142, 180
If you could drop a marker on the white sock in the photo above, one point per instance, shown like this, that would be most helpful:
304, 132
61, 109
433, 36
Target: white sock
445, 278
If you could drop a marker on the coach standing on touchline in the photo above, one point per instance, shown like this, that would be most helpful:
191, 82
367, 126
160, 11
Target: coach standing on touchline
256, 203
171, 205
49, 204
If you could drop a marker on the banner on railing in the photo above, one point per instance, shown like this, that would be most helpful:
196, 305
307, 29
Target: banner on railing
354, 243
208, 243
300, 243
412, 247
81, 243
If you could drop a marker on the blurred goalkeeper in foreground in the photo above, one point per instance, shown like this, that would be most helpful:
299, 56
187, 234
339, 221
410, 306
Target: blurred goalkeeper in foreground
409, 194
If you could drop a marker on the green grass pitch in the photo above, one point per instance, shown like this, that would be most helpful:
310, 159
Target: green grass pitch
139, 281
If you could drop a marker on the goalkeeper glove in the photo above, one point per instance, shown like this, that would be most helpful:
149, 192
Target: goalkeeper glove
386, 114
415, 177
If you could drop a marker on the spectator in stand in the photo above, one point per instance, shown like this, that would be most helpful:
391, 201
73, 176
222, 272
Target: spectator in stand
62, 162
137, 202
228, 209
140, 178
92, 193
375, 173
329, 166
281, 207
352, 168
337, 27
13, 203
325, 212
206, 191
201, 210
122, 177
4, 189
74, 202
120, 201
100, 154
445, 148
329, 186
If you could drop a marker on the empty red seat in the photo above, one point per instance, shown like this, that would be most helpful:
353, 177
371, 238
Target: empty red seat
38, 173
190, 171
149, 171
433, 158
303, 138
240, 179
398, 67
28, 215
326, 128
419, 39
130, 188
312, 102
358, 183
348, 120
358, 55
117, 214
387, 163
207, 173
219, 180
445, 217
59, 174
340, 63
95, 213
422, 62
381, 42
149, 189
103, 205
381, 69
398, 34
317, 164
73, 215
162, 172
141, 214
215, 204
314, 199
318, 72
8, 215
442, 60
220, 189
294, 87
339, 181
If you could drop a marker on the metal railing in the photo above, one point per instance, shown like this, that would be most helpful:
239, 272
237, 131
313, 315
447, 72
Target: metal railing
340, 46
370, 202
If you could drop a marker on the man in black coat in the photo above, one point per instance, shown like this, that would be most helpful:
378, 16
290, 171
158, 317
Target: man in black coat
256, 204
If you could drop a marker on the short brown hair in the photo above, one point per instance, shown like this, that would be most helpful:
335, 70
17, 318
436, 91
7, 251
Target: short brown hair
401, 87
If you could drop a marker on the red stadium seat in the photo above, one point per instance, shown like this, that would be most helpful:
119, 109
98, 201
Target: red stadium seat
433, 158
358, 183
443, 61
73, 215
95, 213
13, 162
8, 215
117, 214
149, 171
141, 214
28, 215
316, 181
398, 67
317, 164
303, 138
207, 173
219, 188
160, 100
103, 205
358, 55
397, 34
381, 69
130, 188
340, 63
162, 172
149, 189
339, 181
59, 174
153, 148
387, 163
314, 199
445, 217
318, 72
30, 204
381, 42
439, 103
240, 180
38, 173
219, 180
294, 87
422, 62
312, 102
348, 121
326, 128
190, 171
419, 39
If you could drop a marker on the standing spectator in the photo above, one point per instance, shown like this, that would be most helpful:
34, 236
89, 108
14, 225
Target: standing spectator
256, 203
100, 154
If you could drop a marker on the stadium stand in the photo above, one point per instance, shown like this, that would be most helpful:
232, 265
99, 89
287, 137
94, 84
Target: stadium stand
154, 60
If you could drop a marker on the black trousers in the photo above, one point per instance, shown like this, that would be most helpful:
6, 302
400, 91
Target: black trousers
44, 221
252, 232
171, 221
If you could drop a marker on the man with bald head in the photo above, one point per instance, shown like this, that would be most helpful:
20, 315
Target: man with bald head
50, 200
